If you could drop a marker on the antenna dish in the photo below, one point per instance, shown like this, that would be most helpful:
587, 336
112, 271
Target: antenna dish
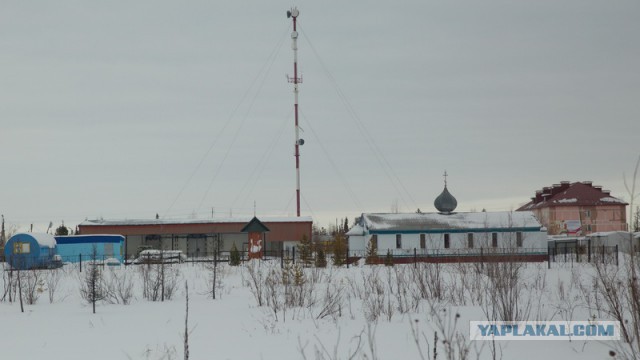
288, 14
301, 142
295, 12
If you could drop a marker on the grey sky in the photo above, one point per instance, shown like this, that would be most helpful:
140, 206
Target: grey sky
108, 107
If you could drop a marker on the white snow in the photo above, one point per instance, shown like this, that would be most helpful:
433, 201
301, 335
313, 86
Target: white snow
463, 220
43, 239
611, 199
567, 201
234, 327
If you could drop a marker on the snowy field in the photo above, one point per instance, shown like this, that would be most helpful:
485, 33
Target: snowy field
263, 312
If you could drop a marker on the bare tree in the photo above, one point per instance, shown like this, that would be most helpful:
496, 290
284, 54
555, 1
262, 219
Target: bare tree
631, 189
186, 322
92, 283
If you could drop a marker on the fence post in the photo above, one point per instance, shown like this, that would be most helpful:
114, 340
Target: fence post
577, 253
589, 250
415, 258
603, 254
616, 254
80, 258
281, 258
481, 257
347, 258
293, 255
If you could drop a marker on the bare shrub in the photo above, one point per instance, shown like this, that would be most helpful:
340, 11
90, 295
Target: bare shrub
454, 341
159, 281
428, 282
9, 284
33, 286
373, 302
505, 298
273, 292
256, 281
119, 287
331, 302
618, 291
52, 281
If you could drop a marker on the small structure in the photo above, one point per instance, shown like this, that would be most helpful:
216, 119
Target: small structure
256, 230
84, 247
30, 251
578, 208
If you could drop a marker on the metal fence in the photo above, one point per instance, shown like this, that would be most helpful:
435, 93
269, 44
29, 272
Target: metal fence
573, 252
564, 253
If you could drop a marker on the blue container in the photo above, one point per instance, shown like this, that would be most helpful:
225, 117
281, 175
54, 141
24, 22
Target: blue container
81, 248
30, 250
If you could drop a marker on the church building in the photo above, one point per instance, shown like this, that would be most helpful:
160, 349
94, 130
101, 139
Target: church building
448, 236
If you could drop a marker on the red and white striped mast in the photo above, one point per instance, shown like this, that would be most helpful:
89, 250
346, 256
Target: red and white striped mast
293, 13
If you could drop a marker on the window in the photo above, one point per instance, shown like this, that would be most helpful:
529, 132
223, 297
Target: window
470, 240
494, 239
587, 213
423, 241
519, 239
589, 227
21, 248
447, 244
398, 241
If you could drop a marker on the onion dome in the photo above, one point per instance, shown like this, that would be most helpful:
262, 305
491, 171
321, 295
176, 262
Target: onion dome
445, 202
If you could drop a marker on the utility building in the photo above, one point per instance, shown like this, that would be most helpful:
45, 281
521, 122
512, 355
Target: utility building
201, 237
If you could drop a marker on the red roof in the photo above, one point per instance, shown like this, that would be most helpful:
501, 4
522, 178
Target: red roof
571, 194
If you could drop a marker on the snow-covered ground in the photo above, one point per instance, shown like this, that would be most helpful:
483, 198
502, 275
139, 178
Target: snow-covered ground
368, 312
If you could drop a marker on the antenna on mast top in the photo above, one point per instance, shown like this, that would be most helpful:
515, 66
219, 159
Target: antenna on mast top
293, 14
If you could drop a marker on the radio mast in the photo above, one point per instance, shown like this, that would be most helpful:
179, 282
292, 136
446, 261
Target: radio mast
293, 14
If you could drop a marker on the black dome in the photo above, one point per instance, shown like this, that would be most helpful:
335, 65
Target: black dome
445, 202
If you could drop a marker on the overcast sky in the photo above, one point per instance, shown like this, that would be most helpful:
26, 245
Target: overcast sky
125, 109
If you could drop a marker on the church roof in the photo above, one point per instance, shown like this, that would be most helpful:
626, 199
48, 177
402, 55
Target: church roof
456, 222
445, 202
571, 194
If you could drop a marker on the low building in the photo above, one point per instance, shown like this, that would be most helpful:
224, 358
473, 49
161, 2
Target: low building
578, 208
197, 237
450, 236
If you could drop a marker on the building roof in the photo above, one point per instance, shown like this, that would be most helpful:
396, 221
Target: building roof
436, 222
571, 194
127, 222
89, 239
255, 225
41, 238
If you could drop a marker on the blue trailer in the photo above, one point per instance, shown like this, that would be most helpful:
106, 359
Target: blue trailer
75, 248
30, 251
